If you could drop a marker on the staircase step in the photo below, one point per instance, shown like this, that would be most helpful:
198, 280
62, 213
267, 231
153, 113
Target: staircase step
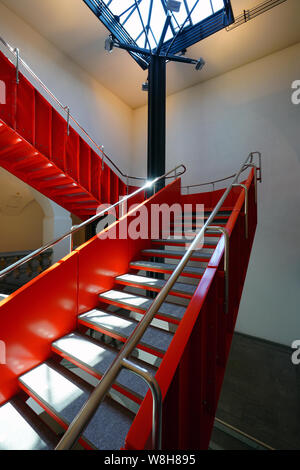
207, 213
194, 226
166, 268
95, 357
62, 395
179, 289
168, 311
22, 429
208, 241
195, 218
155, 341
199, 255
189, 235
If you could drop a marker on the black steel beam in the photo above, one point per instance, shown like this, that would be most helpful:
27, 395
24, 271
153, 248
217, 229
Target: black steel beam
104, 14
157, 117
193, 34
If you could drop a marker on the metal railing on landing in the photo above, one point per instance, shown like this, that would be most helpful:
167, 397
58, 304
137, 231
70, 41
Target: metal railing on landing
213, 183
87, 412
66, 111
95, 217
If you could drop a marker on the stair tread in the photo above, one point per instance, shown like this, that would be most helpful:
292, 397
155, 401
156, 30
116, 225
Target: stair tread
98, 357
21, 429
204, 253
167, 309
153, 338
144, 281
64, 397
207, 241
165, 267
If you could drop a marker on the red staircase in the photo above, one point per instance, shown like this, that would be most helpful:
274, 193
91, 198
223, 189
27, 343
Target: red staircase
38, 145
86, 306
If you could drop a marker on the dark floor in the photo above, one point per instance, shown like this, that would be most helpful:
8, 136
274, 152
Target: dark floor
261, 394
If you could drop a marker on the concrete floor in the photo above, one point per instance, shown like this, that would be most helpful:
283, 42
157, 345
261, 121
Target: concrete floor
261, 394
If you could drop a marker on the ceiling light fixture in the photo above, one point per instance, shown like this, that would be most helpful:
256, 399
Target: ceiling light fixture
173, 5
200, 64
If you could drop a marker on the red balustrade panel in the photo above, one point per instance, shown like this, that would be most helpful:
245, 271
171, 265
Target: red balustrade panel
43, 125
33, 317
72, 154
96, 178
85, 165
59, 131
25, 113
7, 91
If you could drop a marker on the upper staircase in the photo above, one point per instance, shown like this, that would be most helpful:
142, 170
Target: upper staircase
40, 147
68, 329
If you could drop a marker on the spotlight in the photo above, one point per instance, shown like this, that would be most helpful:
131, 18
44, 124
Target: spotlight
145, 86
173, 5
109, 44
200, 64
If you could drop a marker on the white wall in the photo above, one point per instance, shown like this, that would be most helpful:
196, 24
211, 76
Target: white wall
212, 127
105, 117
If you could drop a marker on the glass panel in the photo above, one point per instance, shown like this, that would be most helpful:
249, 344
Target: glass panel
134, 25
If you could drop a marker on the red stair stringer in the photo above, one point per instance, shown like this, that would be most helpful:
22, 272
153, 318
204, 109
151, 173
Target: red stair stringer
38, 147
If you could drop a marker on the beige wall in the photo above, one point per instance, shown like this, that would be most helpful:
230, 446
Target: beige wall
23, 231
212, 127
21, 217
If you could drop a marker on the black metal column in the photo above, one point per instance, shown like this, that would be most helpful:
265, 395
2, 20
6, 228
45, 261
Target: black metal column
157, 117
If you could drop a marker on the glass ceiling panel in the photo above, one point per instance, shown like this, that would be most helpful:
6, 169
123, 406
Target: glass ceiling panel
144, 20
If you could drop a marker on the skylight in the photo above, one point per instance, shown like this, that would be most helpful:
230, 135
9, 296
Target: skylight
144, 20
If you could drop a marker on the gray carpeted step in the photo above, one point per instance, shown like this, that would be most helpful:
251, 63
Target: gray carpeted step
22, 429
140, 304
154, 340
96, 357
63, 394
150, 283
166, 267
207, 213
204, 253
213, 241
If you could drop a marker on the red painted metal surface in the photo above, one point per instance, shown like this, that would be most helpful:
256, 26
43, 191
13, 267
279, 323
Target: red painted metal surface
100, 261
33, 317
192, 370
35, 146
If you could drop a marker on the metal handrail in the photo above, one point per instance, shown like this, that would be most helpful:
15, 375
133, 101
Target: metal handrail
251, 155
65, 109
76, 228
87, 412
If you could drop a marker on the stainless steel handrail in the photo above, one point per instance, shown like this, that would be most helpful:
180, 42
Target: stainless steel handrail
65, 109
86, 413
251, 155
76, 228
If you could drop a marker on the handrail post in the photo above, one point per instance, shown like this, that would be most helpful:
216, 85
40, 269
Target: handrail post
157, 401
224, 231
255, 179
246, 206
71, 238
17, 51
